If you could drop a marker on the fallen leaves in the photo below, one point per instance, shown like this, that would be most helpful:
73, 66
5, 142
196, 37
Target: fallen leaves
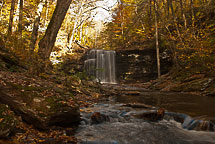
34, 136
1, 120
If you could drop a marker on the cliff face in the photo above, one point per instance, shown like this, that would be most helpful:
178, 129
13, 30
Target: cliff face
140, 65
132, 65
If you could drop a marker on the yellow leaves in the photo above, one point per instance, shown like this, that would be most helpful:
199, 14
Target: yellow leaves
138, 31
198, 13
117, 31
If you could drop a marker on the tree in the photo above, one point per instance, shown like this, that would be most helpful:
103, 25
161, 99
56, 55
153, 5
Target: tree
182, 14
11, 17
80, 9
46, 44
36, 26
20, 18
156, 35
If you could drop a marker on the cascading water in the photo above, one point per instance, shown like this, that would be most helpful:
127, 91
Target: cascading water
100, 64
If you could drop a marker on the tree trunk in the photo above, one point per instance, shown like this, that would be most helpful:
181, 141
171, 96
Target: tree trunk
182, 14
34, 33
175, 23
81, 33
192, 18
11, 17
20, 18
173, 48
168, 8
75, 24
46, 44
192, 12
47, 12
156, 35
149, 12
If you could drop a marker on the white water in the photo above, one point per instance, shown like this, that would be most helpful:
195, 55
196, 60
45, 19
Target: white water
100, 64
123, 128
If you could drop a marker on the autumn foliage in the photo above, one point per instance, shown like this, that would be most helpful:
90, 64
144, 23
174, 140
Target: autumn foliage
186, 28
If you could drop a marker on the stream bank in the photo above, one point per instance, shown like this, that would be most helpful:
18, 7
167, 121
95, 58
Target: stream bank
183, 81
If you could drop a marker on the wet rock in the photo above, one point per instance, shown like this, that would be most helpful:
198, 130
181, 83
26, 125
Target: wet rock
131, 93
7, 121
198, 124
154, 115
194, 77
210, 90
179, 117
137, 105
41, 112
190, 123
98, 118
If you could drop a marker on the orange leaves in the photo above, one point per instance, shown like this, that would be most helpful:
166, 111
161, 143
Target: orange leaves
1, 120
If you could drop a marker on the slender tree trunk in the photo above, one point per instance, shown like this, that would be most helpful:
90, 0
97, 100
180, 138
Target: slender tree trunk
192, 17
34, 33
20, 18
164, 8
175, 23
47, 12
172, 9
157, 42
46, 44
168, 8
81, 33
173, 48
149, 12
11, 17
182, 14
192, 12
75, 24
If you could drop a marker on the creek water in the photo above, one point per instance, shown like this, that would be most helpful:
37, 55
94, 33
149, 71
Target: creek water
124, 127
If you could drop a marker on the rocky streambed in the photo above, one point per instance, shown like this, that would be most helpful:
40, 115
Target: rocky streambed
136, 115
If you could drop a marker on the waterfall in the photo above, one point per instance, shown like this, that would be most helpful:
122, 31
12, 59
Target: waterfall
100, 64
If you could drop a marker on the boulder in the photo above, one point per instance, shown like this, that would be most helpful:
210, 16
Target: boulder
153, 115
7, 121
202, 123
42, 111
98, 118
198, 124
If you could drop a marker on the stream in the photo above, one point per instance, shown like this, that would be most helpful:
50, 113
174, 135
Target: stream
120, 119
